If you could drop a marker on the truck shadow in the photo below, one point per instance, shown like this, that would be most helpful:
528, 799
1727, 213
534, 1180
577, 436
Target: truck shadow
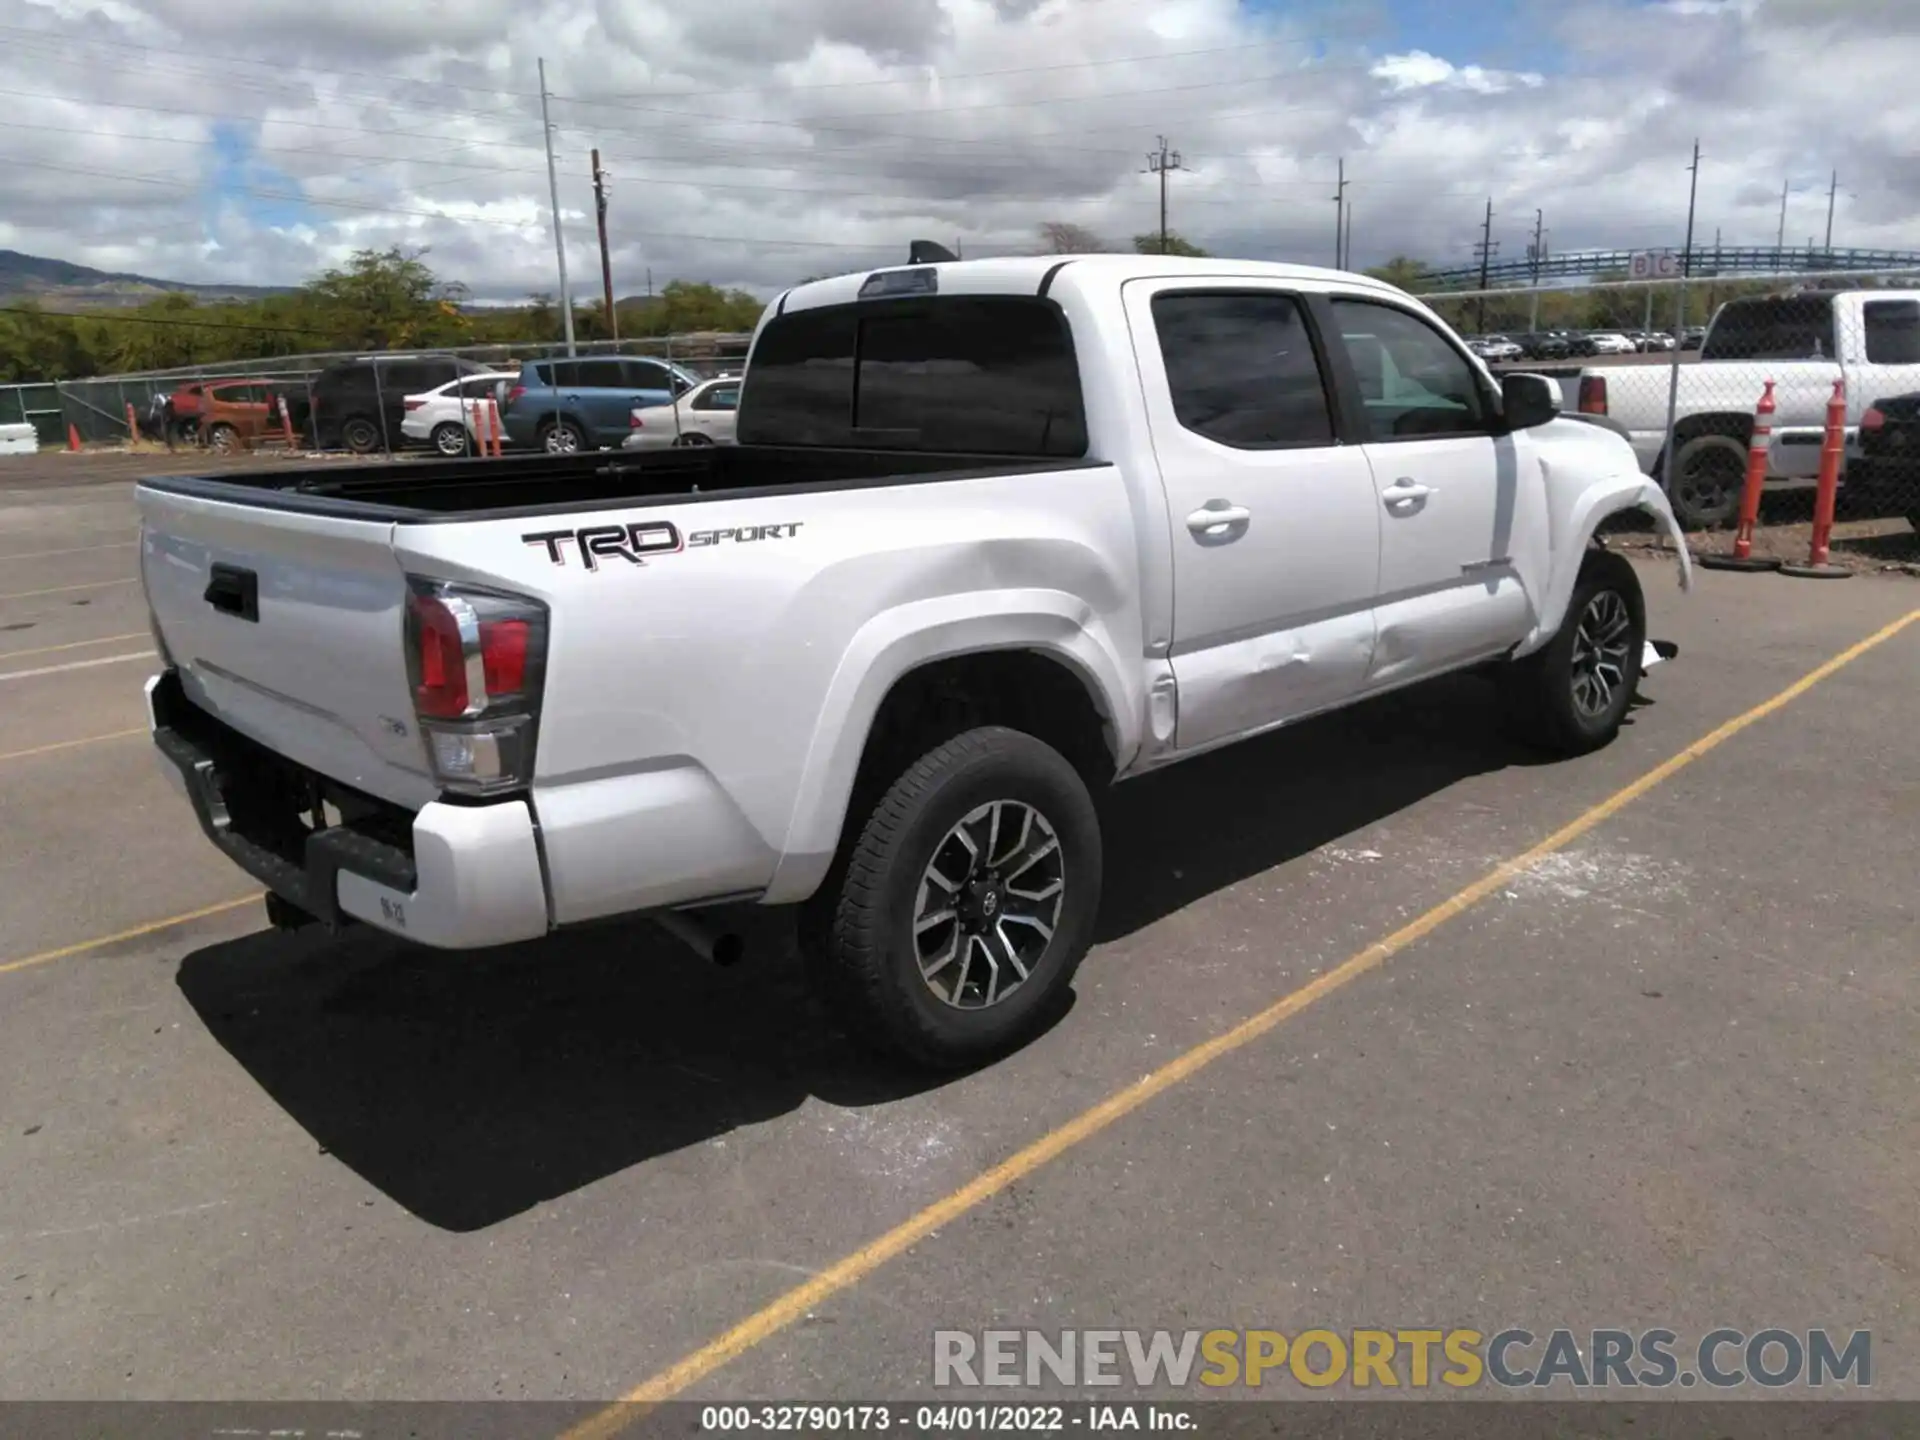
470, 1088
1208, 823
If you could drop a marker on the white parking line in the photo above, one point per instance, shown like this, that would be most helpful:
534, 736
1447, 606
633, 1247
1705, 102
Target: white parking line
71, 550
75, 665
63, 589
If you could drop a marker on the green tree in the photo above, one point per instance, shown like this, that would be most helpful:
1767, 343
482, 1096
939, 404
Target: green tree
1060, 237
386, 299
1407, 273
1176, 244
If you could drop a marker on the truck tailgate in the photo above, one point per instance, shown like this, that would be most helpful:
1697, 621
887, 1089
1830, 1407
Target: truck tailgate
290, 628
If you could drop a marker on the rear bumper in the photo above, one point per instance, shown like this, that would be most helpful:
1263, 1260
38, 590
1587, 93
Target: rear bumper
456, 877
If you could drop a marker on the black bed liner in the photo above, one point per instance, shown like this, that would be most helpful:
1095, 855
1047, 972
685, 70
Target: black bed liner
453, 490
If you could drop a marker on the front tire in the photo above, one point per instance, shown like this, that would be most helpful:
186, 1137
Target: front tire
954, 926
1571, 696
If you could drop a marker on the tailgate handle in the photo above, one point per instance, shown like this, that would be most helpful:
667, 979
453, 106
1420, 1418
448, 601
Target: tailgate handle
235, 591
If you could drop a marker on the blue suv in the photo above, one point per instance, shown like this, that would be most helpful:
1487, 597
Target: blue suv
562, 406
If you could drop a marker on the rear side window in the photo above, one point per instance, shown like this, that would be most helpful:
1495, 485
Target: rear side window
987, 374
601, 375
1893, 332
1241, 369
561, 374
1779, 327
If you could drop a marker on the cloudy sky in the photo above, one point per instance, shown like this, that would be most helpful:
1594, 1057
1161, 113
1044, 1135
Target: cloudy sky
254, 141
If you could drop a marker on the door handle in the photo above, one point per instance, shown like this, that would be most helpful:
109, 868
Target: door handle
1216, 517
1405, 489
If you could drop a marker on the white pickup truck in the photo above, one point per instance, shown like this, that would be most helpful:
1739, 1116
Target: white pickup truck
1803, 342
996, 535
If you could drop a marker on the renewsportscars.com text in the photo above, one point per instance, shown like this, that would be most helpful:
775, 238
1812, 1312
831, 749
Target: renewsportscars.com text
1416, 1359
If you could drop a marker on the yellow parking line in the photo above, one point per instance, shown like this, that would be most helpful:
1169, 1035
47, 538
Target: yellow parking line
63, 589
70, 744
150, 928
73, 645
843, 1274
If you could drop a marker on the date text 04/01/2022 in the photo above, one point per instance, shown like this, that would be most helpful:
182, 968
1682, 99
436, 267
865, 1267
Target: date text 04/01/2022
984, 1419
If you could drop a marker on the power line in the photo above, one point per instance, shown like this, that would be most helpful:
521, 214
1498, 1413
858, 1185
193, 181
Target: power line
759, 92
110, 318
808, 244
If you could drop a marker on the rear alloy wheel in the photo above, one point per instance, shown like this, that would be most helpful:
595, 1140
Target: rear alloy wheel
450, 438
949, 932
1572, 695
223, 439
693, 437
1709, 474
562, 438
360, 435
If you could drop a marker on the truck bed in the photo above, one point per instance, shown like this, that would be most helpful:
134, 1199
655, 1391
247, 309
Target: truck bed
454, 490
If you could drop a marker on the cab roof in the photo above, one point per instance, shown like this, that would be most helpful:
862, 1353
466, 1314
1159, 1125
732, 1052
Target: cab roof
1027, 274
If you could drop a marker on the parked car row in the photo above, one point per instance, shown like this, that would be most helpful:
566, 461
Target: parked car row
390, 402
1572, 344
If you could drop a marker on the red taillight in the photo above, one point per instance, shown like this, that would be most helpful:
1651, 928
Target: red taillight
634, 422
503, 655
413, 404
1593, 394
476, 658
1873, 419
440, 688
515, 393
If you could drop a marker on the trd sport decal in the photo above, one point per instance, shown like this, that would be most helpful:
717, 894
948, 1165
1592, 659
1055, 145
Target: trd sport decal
742, 534
635, 541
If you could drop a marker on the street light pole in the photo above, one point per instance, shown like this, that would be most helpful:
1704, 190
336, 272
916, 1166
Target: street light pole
553, 194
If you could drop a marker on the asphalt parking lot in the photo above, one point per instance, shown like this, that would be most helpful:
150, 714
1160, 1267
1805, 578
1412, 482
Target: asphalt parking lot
1659, 1073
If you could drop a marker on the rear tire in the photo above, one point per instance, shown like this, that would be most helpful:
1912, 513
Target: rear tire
562, 437
450, 439
1709, 475
223, 440
953, 925
360, 435
1571, 696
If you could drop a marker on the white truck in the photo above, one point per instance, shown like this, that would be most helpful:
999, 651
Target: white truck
1803, 342
996, 535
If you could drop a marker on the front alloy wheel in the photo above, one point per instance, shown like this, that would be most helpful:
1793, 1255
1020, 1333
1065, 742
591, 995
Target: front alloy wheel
1602, 645
989, 903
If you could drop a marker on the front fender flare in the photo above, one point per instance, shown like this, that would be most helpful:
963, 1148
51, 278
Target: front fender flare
1575, 533
1050, 622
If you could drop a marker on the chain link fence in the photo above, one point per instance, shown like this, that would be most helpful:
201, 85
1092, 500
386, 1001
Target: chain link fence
236, 405
1679, 368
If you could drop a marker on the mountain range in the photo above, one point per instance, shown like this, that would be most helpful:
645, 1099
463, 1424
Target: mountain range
63, 285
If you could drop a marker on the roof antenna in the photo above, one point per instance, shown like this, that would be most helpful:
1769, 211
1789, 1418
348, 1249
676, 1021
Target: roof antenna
925, 252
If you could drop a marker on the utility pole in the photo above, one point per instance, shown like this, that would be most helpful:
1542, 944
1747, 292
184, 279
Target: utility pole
1347, 244
1780, 240
1485, 248
1680, 323
1832, 191
1159, 163
606, 264
1340, 218
1536, 253
553, 194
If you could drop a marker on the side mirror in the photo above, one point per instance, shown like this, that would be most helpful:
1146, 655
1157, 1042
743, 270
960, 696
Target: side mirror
1528, 400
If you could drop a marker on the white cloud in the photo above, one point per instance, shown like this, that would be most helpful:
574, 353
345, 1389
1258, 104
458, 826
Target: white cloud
1417, 70
753, 144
